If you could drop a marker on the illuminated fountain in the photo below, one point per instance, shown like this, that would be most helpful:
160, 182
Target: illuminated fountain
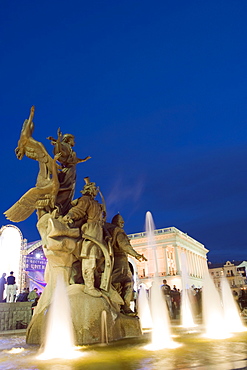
186, 311
150, 227
213, 314
97, 318
161, 332
144, 309
59, 336
220, 313
196, 351
104, 333
232, 318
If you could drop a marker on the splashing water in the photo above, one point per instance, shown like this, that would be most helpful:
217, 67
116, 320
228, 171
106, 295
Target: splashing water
143, 309
187, 316
231, 313
59, 342
161, 335
150, 227
16, 350
104, 332
186, 311
213, 311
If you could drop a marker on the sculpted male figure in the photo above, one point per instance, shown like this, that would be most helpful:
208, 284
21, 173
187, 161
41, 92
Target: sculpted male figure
122, 278
90, 212
63, 146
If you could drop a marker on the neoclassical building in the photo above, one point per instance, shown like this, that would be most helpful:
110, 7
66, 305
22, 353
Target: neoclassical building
173, 252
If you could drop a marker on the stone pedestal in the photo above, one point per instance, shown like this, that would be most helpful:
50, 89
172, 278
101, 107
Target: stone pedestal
15, 315
86, 315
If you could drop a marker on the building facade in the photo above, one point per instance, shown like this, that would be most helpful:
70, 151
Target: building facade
235, 272
172, 253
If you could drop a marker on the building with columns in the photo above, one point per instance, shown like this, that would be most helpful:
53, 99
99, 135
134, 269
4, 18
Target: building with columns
172, 253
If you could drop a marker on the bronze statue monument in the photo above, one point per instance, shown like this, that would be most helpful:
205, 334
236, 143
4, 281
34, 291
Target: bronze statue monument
89, 253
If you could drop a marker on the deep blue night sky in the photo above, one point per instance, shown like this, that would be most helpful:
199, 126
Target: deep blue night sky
155, 92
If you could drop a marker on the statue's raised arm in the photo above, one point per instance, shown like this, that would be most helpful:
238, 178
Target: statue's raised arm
43, 195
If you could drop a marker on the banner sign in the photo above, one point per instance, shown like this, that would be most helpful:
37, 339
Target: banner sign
35, 264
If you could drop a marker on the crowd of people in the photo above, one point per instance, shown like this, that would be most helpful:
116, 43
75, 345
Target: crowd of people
173, 299
172, 296
11, 291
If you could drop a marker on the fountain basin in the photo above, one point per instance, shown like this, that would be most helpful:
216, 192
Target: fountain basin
195, 352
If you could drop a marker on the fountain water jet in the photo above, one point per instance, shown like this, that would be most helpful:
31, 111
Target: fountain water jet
143, 309
213, 315
150, 227
231, 314
186, 311
161, 335
104, 333
59, 339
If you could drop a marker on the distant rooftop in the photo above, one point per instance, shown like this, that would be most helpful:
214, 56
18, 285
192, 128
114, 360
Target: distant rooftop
164, 231
221, 264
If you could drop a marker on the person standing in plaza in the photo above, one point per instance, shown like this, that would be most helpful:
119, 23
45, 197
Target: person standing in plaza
2, 286
175, 297
11, 288
166, 289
